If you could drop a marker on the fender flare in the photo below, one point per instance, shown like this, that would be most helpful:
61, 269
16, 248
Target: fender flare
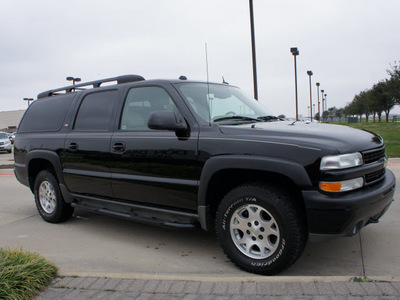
289, 169
50, 156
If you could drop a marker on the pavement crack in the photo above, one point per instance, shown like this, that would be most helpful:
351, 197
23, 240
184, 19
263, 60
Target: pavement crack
362, 256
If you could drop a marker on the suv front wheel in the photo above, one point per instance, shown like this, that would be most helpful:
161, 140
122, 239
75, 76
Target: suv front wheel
260, 229
48, 198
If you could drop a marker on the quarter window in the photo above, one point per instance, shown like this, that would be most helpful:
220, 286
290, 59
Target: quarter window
95, 112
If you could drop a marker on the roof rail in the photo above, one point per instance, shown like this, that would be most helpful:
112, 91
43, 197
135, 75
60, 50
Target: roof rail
95, 84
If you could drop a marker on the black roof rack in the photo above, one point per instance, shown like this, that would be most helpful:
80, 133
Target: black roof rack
97, 83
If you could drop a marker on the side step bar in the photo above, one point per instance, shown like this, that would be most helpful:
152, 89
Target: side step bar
143, 214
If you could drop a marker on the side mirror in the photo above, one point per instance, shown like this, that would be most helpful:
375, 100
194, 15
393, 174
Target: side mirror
166, 120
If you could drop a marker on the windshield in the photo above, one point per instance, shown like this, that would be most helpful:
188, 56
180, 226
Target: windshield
3, 135
223, 104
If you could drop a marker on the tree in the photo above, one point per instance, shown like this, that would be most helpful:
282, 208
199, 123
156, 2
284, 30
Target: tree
378, 99
332, 112
282, 116
339, 113
325, 115
382, 97
394, 82
390, 92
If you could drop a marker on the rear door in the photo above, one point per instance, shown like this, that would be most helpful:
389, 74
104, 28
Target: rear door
87, 145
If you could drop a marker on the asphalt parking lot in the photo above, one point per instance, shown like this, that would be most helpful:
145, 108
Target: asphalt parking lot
95, 245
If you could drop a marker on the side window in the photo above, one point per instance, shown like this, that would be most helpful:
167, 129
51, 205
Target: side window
46, 114
140, 103
95, 112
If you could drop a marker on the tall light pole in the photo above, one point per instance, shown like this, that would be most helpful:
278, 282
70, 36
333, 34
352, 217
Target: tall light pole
29, 100
326, 104
295, 52
310, 73
314, 107
319, 113
253, 49
322, 100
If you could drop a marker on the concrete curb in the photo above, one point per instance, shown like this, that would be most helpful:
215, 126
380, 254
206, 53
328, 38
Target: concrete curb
225, 278
111, 288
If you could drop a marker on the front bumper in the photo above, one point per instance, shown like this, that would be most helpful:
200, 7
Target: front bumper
5, 147
345, 214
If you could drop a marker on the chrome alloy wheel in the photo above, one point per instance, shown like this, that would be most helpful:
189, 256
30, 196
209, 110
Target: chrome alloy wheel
254, 231
47, 196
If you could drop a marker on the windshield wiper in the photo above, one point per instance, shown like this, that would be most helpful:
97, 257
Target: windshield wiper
242, 118
267, 118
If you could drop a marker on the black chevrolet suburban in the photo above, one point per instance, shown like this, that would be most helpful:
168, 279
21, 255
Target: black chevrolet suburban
181, 153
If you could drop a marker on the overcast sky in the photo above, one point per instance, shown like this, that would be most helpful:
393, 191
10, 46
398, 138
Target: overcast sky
348, 44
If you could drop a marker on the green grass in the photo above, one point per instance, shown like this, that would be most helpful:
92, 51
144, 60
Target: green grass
389, 131
361, 279
23, 274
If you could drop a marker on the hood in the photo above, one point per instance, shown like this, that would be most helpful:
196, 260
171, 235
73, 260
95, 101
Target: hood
329, 138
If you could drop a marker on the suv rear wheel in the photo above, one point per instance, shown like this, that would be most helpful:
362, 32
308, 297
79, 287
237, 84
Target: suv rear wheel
260, 229
49, 201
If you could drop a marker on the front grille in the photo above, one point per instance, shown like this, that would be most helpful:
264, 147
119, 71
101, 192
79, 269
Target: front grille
374, 176
373, 155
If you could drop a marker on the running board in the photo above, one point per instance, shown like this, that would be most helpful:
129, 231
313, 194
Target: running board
147, 215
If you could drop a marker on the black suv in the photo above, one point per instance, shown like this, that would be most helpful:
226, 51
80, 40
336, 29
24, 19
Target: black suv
181, 153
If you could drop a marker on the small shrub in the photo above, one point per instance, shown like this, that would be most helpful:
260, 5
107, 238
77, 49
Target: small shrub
23, 274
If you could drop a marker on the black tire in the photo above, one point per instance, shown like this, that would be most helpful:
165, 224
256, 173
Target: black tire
48, 198
260, 229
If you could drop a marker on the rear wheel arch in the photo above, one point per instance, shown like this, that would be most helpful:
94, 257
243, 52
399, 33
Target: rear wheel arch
38, 161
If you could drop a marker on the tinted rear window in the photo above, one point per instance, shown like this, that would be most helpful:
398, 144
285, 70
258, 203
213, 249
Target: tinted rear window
95, 112
46, 114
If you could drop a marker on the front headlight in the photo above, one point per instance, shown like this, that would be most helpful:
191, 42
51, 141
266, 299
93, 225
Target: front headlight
344, 161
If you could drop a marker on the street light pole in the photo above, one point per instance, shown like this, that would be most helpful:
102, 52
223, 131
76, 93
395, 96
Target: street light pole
326, 104
73, 79
310, 73
313, 107
253, 49
295, 52
29, 100
322, 100
319, 113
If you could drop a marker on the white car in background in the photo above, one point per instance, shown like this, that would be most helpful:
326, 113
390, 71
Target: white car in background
5, 143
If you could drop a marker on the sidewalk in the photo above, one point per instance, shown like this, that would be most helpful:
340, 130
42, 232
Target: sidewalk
112, 288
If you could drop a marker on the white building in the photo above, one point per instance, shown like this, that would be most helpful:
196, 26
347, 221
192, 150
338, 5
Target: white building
9, 120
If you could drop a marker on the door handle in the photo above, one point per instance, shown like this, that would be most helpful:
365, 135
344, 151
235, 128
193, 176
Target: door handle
73, 147
119, 147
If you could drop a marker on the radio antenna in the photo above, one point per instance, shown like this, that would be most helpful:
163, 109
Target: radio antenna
207, 62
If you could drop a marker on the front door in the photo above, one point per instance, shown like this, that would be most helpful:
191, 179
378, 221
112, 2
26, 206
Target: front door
153, 166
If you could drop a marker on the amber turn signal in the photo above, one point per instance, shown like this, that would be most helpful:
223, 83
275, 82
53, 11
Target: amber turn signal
330, 186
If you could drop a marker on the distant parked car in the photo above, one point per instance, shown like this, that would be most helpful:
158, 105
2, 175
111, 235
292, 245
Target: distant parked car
5, 143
